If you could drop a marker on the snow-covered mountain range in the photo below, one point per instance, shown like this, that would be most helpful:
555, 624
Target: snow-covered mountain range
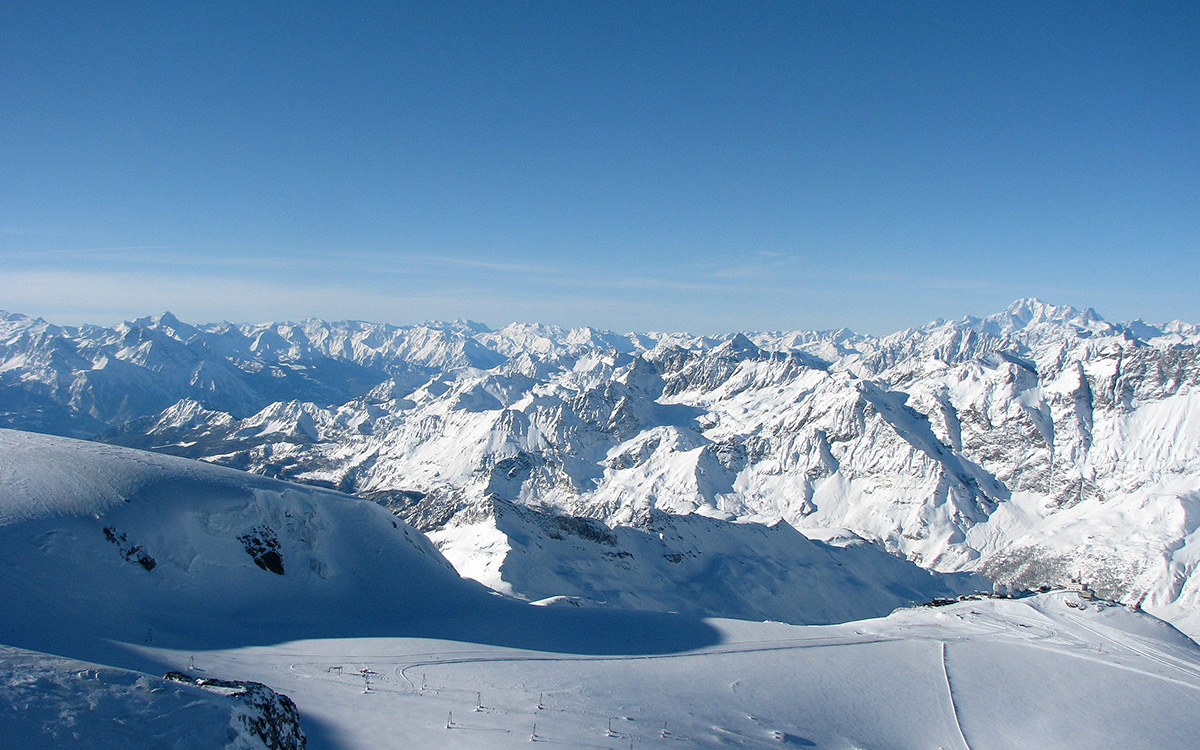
1038, 445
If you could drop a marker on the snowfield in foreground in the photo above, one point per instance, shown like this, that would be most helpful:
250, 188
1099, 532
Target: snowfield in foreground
117, 566
1048, 672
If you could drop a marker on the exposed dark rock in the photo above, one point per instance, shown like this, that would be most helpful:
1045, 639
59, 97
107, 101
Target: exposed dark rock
263, 547
423, 511
270, 716
131, 552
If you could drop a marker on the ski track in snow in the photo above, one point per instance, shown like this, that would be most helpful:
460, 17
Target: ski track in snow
717, 651
950, 694
403, 665
461, 657
1128, 644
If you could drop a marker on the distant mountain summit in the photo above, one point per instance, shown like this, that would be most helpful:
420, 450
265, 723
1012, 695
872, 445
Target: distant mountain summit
1031, 312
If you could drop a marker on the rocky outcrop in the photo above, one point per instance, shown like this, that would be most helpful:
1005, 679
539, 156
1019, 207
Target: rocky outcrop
268, 716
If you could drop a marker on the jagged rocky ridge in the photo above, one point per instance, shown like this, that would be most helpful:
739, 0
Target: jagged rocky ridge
268, 716
1037, 445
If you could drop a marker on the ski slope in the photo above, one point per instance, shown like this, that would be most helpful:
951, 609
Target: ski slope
452, 664
1035, 673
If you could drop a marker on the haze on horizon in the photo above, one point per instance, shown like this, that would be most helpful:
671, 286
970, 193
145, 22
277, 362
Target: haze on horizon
704, 167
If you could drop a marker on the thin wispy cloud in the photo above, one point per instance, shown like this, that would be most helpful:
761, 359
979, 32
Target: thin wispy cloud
89, 295
120, 295
643, 282
760, 264
190, 256
539, 269
102, 250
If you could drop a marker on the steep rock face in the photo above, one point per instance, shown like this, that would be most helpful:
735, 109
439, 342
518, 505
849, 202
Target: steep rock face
956, 445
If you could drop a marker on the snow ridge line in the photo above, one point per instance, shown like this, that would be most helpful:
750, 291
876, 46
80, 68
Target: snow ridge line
738, 648
950, 692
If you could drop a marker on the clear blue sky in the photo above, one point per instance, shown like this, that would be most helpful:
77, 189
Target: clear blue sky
648, 165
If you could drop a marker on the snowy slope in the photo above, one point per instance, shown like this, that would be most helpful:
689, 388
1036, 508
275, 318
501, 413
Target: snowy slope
51, 703
380, 645
1053, 672
690, 564
141, 548
145, 548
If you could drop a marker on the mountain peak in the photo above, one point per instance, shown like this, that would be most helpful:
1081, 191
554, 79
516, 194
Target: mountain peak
166, 323
1029, 312
1036, 310
739, 345
473, 326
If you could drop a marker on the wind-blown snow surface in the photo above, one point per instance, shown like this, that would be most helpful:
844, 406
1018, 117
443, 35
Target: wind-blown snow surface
48, 702
450, 664
1036, 445
1050, 672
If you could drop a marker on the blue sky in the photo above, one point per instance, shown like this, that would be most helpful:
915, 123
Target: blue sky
636, 166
